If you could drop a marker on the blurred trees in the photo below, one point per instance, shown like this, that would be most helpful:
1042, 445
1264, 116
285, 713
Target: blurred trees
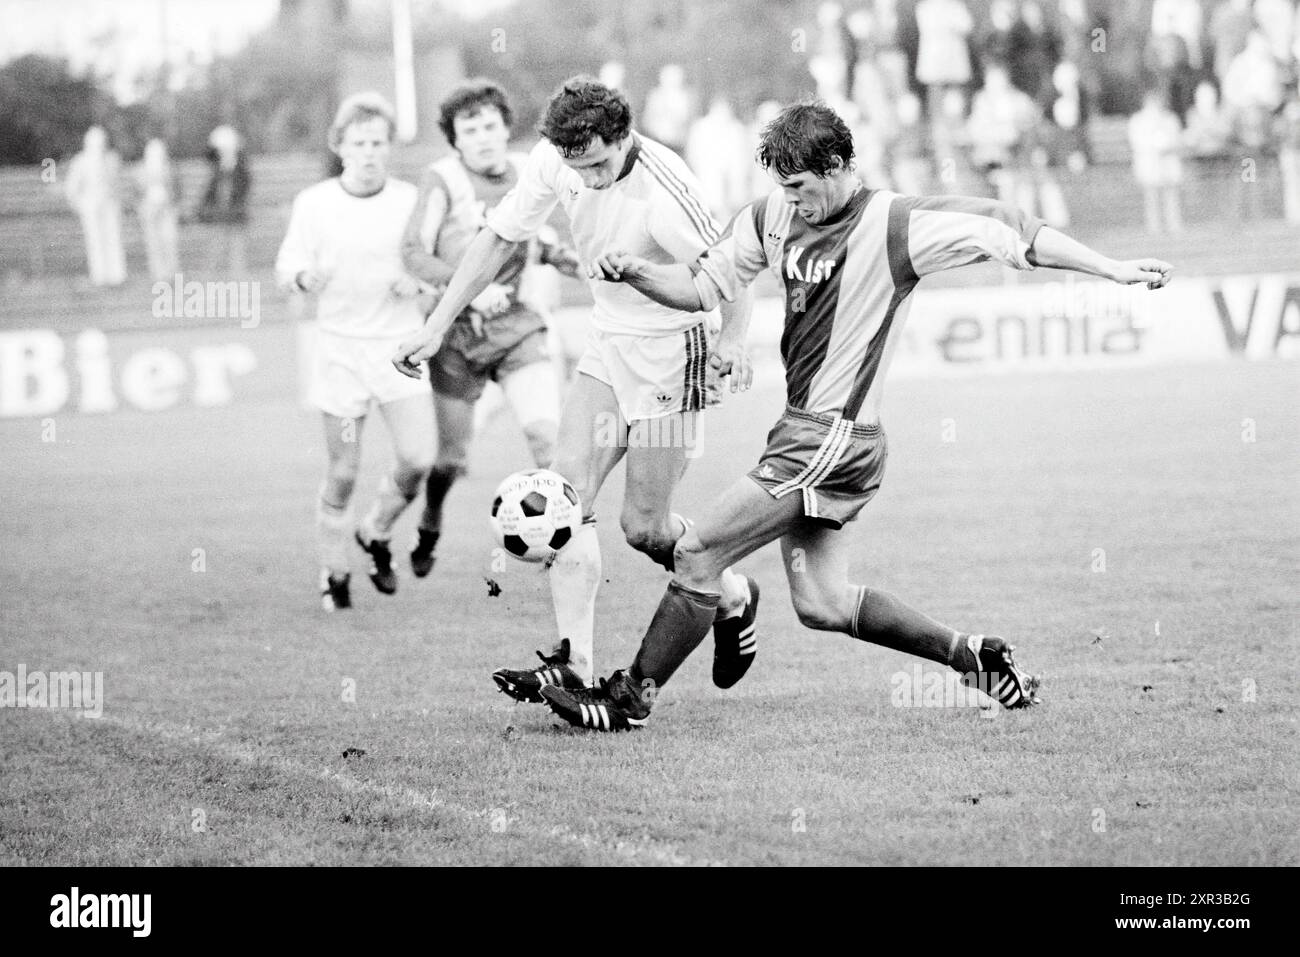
45, 110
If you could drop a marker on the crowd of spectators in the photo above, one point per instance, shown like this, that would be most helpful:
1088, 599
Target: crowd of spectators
997, 98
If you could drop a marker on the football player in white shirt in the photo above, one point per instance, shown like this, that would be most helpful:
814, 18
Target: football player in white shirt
642, 376
344, 245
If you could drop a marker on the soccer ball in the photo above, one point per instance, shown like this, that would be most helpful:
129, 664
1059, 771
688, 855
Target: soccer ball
534, 514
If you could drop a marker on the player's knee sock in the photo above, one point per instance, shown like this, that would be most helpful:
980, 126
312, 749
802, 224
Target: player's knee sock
436, 486
332, 525
390, 502
882, 619
575, 579
681, 621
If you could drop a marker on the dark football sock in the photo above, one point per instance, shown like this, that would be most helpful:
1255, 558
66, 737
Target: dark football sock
681, 621
882, 619
436, 487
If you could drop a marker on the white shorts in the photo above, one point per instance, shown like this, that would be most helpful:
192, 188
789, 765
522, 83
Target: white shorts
652, 376
346, 373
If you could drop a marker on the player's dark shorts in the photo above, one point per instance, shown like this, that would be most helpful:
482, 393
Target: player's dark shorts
835, 464
465, 362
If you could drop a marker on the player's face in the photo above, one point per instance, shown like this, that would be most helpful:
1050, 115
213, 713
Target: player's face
600, 163
481, 139
813, 197
364, 150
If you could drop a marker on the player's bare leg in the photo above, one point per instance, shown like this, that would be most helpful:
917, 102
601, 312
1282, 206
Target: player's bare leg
587, 449
410, 422
825, 599
455, 424
343, 447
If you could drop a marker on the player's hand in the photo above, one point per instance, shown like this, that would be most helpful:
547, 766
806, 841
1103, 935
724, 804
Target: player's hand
492, 301
404, 287
412, 354
732, 359
309, 280
616, 267
1154, 272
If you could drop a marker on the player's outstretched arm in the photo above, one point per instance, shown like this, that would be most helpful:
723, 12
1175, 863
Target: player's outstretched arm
1056, 250
670, 285
481, 264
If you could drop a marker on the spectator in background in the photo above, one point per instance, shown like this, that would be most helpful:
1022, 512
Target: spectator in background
994, 44
669, 109
1230, 26
718, 153
1209, 131
1070, 114
836, 51
911, 164
1288, 141
1000, 130
93, 189
159, 192
1182, 19
225, 202
1155, 137
1170, 71
1035, 51
943, 57
1252, 93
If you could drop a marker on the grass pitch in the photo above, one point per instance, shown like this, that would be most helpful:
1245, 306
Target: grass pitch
1119, 527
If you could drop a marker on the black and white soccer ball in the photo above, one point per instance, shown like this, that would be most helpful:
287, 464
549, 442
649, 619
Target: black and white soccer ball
534, 514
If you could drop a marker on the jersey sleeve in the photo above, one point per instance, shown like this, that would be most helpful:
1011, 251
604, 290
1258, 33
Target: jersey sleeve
734, 260
944, 232
523, 210
297, 252
420, 238
680, 222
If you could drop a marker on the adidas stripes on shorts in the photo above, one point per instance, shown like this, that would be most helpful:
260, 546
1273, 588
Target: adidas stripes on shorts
835, 464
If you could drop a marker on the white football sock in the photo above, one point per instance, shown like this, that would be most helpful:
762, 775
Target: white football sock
390, 502
332, 523
575, 579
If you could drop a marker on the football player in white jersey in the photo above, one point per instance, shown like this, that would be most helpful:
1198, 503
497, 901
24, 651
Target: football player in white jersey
344, 245
640, 385
500, 337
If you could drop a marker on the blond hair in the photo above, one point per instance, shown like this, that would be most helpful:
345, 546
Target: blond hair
358, 108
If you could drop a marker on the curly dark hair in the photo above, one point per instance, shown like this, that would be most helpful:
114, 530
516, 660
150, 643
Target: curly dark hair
581, 110
467, 100
805, 137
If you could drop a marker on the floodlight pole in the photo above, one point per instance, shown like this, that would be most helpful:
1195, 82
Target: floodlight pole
404, 71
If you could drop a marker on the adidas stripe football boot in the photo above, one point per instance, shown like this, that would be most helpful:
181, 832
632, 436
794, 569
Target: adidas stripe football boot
613, 706
528, 685
734, 642
998, 675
